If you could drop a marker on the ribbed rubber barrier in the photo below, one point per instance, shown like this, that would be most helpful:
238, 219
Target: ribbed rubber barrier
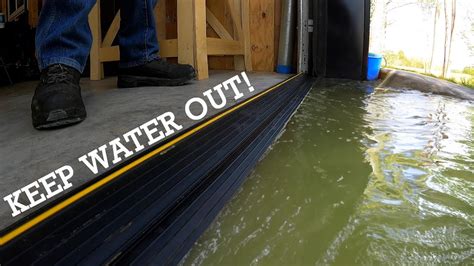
154, 213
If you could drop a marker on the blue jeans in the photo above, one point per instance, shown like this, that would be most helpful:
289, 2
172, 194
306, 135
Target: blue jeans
63, 35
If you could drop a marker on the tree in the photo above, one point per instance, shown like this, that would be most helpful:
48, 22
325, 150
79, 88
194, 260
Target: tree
431, 6
449, 24
451, 34
433, 43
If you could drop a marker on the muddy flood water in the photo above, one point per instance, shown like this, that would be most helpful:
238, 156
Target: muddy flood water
359, 176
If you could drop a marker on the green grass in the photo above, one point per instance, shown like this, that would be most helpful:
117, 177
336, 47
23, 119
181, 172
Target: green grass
398, 60
466, 82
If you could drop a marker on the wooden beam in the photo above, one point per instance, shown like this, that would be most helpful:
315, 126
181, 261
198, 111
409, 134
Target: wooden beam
217, 46
234, 8
160, 18
168, 48
113, 31
16, 14
109, 54
217, 25
246, 34
185, 32
33, 13
236, 13
200, 41
97, 68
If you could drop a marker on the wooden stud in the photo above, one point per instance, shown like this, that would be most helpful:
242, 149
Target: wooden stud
97, 68
236, 13
33, 13
169, 48
200, 41
160, 18
234, 8
185, 32
112, 32
246, 34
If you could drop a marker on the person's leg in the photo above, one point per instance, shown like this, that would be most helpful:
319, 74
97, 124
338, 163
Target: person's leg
137, 34
140, 64
63, 35
63, 41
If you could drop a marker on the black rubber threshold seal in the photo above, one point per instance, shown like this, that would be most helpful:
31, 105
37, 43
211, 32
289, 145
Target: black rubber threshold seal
154, 212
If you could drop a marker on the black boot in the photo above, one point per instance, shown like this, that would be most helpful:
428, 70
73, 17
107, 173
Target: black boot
57, 101
155, 73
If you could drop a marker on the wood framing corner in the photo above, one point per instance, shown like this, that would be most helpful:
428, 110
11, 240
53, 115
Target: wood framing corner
192, 45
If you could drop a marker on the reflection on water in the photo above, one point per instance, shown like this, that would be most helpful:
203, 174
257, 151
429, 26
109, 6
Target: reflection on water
417, 206
371, 178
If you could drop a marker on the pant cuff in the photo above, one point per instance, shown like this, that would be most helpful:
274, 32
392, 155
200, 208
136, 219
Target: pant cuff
138, 62
44, 63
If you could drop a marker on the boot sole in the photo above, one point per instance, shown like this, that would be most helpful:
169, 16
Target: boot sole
126, 81
59, 119
60, 123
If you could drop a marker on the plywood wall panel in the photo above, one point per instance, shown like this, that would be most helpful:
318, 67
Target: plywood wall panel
262, 34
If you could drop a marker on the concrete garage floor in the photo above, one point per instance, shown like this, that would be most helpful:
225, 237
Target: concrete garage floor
27, 154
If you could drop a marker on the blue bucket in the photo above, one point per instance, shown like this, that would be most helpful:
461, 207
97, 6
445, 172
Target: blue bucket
373, 66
